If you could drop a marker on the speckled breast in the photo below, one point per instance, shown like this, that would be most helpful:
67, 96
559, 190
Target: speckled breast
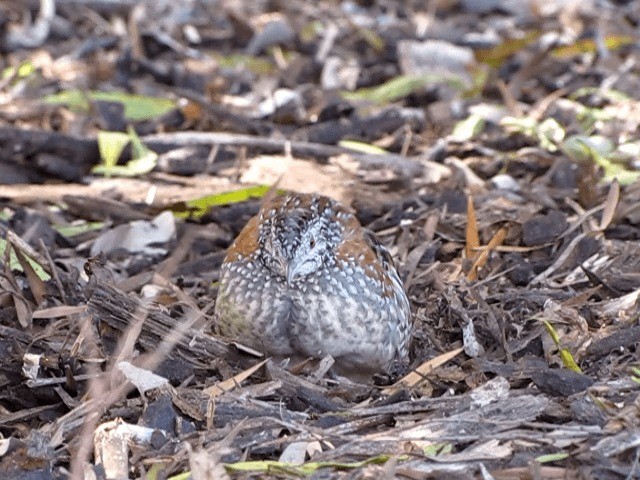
343, 313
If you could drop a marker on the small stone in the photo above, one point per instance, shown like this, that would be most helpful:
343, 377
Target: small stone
543, 229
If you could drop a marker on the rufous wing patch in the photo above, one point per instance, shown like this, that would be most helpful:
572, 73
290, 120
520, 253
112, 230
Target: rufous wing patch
282, 203
246, 243
354, 247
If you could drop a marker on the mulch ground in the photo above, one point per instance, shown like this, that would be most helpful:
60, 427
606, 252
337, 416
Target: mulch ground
492, 146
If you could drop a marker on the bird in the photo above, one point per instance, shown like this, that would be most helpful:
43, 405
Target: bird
303, 279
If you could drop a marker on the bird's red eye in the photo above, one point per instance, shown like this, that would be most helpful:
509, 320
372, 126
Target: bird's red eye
312, 243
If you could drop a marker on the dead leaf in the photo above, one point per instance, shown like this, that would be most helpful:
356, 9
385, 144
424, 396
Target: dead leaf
610, 205
495, 241
231, 383
59, 312
22, 306
472, 236
418, 374
36, 285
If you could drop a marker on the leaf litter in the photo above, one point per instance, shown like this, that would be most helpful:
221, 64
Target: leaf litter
492, 149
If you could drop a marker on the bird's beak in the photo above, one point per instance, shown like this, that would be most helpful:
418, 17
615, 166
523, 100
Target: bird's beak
293, 270
290, 274
287, 271
298, 268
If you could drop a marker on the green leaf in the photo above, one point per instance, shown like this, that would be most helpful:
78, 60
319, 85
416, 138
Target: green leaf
550, 133
181, 476
565, 354
158, 471
568, 361
76, 100
601, 151
479, 77
136, 107
552, 457
6, 214
577, 149
309, 468
588, 45
310, 31
399, 87
142, 162
468, 128
608, 94
523, 125
111, 145
24, 70
305, 469
14, 263
140, 150
552, 332
362, 147
200, 206
437, 449
259, 66
496, 56
373, 39
78, 229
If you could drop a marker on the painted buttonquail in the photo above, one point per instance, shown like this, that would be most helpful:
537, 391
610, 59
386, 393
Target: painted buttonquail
305, 279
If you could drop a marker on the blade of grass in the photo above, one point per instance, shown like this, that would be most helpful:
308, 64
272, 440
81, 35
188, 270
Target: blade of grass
565, 354
481, 259
233, 382
198, 207
610, 205
418, 374
472, 238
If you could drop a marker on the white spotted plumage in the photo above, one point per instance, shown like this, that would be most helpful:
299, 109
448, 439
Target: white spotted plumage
305, 279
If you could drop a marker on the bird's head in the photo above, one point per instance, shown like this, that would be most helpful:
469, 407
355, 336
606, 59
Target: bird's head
298, 243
